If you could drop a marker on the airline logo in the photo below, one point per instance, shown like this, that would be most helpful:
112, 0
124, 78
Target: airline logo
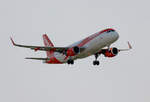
47, 42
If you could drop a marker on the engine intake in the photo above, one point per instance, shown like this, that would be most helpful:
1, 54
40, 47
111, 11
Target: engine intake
76, 49
73, 51
112, 53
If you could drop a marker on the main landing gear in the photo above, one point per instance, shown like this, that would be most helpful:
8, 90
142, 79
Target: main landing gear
96, 62
70, 61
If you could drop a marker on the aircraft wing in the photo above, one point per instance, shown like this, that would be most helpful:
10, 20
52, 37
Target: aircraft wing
129, 48
43, 48
37, 58
129, 45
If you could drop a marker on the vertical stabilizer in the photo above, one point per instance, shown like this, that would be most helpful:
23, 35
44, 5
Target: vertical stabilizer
47, 43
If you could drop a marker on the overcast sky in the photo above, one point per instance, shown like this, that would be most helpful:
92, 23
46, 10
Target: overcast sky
124, 78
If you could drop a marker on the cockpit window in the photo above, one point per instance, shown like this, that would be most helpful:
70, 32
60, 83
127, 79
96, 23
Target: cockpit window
110, 31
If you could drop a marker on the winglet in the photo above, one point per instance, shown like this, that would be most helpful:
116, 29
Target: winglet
12, 41
130, 47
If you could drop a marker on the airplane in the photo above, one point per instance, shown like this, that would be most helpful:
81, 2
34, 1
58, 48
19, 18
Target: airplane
96, 44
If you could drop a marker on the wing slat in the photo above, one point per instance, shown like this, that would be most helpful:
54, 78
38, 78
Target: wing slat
37, 58
43, 48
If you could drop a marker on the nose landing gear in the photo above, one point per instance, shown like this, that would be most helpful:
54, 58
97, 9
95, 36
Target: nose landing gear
96, 62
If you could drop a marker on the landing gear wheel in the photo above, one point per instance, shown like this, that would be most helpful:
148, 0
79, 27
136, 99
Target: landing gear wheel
70, 61
96, 62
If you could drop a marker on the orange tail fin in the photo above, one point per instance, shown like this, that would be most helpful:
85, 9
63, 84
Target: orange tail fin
47, 43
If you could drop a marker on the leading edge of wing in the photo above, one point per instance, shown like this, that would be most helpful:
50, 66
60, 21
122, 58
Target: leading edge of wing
42, 48
33, 58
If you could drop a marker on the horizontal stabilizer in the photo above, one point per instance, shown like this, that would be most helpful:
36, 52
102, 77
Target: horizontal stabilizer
37, 58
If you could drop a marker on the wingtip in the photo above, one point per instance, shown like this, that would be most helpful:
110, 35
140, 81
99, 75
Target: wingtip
12, 41
130, 47
26, 58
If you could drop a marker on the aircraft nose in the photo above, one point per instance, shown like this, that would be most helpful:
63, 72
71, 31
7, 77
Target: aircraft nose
116, 35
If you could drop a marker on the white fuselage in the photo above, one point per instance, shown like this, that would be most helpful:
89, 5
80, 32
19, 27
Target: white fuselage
93, 45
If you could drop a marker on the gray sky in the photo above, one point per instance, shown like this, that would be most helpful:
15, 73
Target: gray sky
124, 78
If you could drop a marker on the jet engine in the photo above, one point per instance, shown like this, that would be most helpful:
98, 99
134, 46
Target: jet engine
73, 51
111, 53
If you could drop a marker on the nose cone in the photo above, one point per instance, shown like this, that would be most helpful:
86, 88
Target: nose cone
116, 35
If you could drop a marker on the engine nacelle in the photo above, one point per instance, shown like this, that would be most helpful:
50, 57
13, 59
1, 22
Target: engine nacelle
112, 53
73, 51
76, 49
